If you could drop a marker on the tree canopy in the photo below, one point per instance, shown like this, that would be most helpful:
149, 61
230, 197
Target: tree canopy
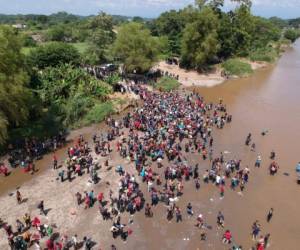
136, 48
53, 54
292, 34
14, 95
101, 36
200, 40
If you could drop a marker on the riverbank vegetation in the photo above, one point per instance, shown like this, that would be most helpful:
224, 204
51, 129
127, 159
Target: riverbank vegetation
237, 67
45, 87
167, 84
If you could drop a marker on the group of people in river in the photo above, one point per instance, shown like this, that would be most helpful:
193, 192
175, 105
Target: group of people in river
158, 138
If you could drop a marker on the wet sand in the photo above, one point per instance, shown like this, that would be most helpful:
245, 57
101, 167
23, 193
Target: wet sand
270, 99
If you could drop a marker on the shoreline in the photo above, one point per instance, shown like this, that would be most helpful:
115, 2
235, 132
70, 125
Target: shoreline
207, 81
192, 78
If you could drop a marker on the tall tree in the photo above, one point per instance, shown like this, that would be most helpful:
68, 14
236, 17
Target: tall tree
102, 35
136, 48
14, 95
53, 54
200, 40
171, 25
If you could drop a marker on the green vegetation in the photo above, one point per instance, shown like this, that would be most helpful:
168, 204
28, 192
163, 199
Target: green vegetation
264, 55
167, 84
136, 48
200, 39
53, 54
74, 93
236, 67
43, 87
15, 97
101, 36
98, 113
81, 47
292, 34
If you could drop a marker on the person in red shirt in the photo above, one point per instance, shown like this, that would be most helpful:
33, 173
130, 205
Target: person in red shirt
100, 197
58, 246
222, 190
54, 162
50, 244
227, 237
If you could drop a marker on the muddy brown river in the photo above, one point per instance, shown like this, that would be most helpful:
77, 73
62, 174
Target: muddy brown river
268, 100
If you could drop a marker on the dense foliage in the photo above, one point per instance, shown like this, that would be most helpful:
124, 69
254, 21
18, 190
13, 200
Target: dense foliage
53, 54
200, 40
236, 67
136, 48
100, 38
14, 95
167, 84
71, 89
292, 34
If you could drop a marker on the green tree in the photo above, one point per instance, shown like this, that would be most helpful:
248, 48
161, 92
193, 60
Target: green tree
265, 32
28, 41
14, 96
292, 34
102, 35
136, 48
70, 90
200, 40
243, 30
59, 33
171, 25
53, 54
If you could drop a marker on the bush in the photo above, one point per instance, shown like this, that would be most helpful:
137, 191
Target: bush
98, 113
53, 54
292, 34
237, 67
167, 84
76, 107
264, 55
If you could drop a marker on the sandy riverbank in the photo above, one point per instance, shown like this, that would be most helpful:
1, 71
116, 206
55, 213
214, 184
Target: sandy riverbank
64, 215
192, 78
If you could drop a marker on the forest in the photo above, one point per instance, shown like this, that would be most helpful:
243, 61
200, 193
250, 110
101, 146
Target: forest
44, 87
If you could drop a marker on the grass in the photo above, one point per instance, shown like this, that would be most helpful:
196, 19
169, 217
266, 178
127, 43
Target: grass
264, 55
236, 67
81, 47
26, 50
167, 84
98, 113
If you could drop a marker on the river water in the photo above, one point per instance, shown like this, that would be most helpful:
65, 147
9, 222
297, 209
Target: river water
270, 99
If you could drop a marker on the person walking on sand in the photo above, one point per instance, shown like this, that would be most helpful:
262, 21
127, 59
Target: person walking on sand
220, 220
75, 242
41, 207
222, 191
270, 215
248, 139
258, 161
19, 197
54, 162
266, 240
189, 209
178, 215
255, 230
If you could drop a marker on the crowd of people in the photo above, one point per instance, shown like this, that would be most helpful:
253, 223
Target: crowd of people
156, 138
